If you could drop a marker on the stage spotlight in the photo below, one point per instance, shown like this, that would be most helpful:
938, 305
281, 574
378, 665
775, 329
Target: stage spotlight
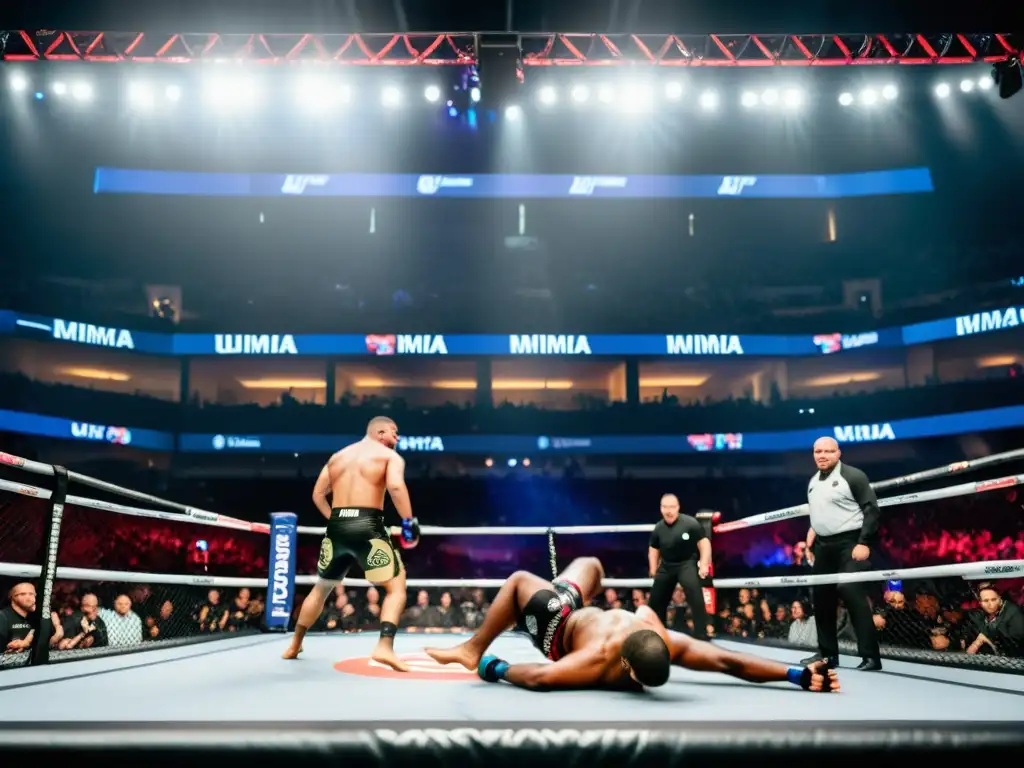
60, 89
140, 96
474, 94
673, 90
770, 97
846, 99
18, 83
513, 112
580, 94
606, 94
942, 90
748, 99
966, 86
638, 98
547, 95
228, 93
793, 97
391, 96
512, 463
889, 93
868, 96
81, 91
986, 82
433, 93
709, 100
173, 93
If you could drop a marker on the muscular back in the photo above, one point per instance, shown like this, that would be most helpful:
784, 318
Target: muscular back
359, 473
600, 634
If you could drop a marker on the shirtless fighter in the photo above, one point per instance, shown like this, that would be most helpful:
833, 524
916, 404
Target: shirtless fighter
612, 649
356, 477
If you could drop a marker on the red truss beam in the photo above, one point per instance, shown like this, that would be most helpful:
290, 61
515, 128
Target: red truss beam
539, 50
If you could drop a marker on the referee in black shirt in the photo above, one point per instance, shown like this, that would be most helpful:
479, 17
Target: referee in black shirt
844, 524
679, 552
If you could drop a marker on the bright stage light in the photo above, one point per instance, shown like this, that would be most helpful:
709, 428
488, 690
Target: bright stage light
433, 93
770, 97
748, 99
18, 83
81, 91
846, 99
709, 100
606, 94
868, 96
60, 89
580, 94
673, 90
986, 82
474, 94
513, 112
889, 93
942, 90
547, 95
966, 86
391, 96
173, 93
793, 97
140, 96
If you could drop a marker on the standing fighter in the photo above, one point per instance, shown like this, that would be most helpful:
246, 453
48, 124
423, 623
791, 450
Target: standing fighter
844, 524
679, 551
356, 477
612, 649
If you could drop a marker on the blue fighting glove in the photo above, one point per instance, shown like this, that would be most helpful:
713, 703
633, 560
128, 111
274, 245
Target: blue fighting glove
410, 532
492, 669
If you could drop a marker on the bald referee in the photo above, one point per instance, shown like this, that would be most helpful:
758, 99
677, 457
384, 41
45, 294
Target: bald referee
844, 525
679, 552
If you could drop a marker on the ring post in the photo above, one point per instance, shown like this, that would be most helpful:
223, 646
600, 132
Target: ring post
281, 588
707, 520
40, 651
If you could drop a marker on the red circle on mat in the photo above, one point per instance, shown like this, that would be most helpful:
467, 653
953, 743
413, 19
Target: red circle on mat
423, 668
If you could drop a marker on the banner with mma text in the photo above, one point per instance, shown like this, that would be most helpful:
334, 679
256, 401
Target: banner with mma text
281, 588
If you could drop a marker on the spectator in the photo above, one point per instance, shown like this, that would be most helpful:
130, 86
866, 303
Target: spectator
17, 619
212, 616
899, 626
447, 617
238, 613
158, 627
85, 627
341, 616
802, 631
999, 625
124, 627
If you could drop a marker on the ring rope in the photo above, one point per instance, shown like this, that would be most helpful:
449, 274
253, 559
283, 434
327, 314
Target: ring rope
992, 569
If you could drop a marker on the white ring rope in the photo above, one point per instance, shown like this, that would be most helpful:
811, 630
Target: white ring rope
221, 521
964, 489
993, 569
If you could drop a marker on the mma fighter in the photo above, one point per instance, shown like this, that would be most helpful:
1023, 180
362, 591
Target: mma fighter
356, 477
612, 649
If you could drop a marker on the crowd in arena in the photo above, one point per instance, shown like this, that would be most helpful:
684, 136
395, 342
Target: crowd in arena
656, 415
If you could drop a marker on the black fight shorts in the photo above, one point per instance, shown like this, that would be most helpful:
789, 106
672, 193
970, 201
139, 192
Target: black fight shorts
358, 536
545, 615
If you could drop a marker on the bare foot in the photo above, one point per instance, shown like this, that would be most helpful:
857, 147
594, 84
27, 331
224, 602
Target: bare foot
460, 654
385, 655
292, 652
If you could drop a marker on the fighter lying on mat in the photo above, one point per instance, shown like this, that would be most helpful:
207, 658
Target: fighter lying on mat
592, 648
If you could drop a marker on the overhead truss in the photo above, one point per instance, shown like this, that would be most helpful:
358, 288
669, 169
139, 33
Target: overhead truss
538, 50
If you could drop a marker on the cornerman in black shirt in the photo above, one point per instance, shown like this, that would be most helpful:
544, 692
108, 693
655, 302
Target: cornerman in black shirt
679, 551
844, 524
17, 621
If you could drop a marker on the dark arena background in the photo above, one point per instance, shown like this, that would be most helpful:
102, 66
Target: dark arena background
584, 255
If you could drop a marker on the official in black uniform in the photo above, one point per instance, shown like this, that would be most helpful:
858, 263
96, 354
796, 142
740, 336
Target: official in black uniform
679, 552
844, 525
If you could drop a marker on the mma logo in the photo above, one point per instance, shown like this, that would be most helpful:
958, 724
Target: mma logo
378, 558
734, 185
296, 185
326, 554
